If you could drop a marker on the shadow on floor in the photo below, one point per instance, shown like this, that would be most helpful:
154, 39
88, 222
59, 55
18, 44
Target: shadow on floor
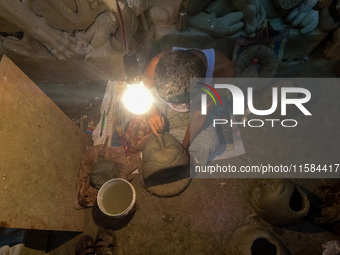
106, 221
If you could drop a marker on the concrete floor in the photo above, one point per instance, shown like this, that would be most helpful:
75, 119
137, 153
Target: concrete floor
201, 219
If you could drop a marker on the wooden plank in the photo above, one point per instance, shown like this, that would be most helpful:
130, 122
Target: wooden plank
48, 69
40, 152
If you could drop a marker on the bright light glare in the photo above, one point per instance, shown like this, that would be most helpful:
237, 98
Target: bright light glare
137, 99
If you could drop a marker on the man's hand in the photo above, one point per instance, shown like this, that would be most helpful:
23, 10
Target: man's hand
156, 121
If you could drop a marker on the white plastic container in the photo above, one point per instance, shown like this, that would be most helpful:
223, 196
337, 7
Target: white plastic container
116, 198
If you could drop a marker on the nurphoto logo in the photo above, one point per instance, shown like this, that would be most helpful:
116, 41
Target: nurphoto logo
238, 104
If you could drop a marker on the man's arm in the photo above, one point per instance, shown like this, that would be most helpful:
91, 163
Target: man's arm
155, 120
224, 68
154, 117
197, 121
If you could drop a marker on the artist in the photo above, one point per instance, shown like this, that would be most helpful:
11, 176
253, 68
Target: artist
169, 73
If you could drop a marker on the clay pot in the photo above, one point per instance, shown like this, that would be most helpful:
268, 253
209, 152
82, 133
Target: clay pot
279, 201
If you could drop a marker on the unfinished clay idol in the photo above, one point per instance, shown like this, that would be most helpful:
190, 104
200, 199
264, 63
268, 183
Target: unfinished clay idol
279, 201
286, 4
254, 240
165, 167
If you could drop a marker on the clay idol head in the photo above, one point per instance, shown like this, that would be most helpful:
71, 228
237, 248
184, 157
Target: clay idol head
279, 201
164, 160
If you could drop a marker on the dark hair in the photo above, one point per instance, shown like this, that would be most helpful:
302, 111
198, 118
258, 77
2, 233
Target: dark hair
173, 73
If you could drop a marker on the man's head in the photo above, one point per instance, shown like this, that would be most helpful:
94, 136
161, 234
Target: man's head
173, 73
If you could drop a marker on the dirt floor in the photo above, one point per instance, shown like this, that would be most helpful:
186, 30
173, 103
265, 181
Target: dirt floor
201, 219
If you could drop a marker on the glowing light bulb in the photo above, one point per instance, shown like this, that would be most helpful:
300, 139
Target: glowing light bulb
137, 99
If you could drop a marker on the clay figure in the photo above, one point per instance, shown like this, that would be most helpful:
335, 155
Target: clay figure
254, 239
279, 201
52, 25
165, 166
226, 17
